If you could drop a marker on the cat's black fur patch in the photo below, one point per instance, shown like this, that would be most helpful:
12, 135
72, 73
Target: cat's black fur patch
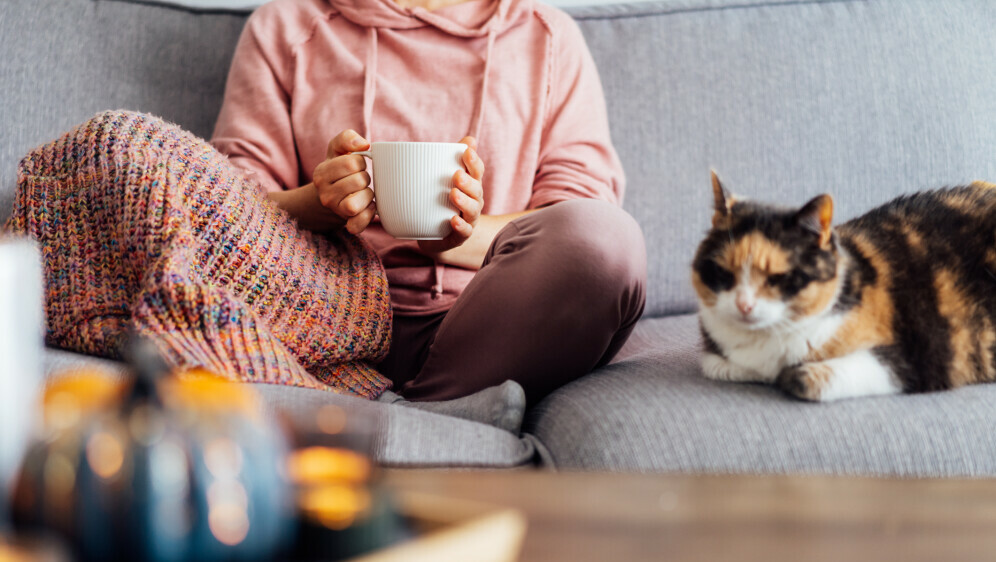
709, 344
791, 380
859, 275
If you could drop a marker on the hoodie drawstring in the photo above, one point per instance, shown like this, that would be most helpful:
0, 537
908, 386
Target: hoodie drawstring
437, 287
369, 82
370, 94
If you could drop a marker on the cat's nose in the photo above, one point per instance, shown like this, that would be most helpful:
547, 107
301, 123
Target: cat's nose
744, 304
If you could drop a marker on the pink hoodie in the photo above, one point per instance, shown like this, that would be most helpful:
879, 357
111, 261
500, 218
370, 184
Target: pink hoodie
515, 74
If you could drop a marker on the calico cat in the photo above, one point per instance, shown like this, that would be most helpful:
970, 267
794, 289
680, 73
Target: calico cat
901, 299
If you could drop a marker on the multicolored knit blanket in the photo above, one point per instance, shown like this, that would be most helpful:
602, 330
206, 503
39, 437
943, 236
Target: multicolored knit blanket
145, 227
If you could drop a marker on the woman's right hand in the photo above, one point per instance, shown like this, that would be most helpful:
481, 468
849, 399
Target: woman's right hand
343, 183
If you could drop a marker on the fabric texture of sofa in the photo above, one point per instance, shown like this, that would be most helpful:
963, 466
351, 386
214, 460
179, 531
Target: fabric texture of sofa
864, 99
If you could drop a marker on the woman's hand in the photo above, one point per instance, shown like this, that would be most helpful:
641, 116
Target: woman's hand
467, 197
343, 183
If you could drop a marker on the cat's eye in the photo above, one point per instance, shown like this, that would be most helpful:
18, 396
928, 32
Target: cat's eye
790, 283
716, 277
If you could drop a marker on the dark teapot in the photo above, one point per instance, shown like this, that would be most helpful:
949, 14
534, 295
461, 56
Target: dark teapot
158, 466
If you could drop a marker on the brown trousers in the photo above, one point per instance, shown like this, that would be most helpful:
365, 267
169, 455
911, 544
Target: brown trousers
558, 295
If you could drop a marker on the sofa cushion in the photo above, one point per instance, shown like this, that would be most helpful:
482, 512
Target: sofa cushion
654, 411
407, 437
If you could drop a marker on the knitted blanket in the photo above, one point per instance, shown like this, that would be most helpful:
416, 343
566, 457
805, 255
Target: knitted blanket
144, 227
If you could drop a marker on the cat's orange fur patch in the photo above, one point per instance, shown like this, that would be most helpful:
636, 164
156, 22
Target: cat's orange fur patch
990, 261
963, 202
869, 324
815, 298
983, 184
987, 339
960, 312
914, 239
765, 257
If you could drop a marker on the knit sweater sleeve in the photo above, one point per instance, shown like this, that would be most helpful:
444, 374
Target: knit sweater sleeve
254, 126
577, 159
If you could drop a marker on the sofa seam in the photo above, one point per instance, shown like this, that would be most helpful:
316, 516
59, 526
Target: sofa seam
638, 9
164, 4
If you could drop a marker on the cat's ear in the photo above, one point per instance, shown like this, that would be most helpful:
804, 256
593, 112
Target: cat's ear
817, 217
722, 203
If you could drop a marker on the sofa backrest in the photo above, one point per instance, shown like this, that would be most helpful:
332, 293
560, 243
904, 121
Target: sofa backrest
786, 99
63, 61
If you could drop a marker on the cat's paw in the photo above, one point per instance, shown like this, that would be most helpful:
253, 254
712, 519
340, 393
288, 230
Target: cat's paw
719, 368
808, 381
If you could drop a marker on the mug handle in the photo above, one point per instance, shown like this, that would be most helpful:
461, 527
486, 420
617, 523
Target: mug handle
368, 154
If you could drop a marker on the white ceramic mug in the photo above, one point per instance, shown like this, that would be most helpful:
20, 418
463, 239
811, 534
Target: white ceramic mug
412, 183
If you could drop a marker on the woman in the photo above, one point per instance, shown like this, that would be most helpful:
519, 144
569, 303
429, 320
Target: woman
543, 277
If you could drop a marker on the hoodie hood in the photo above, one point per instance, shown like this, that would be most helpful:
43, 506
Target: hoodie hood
475, 18
470, 19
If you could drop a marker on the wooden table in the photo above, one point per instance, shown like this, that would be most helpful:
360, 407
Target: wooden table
634, 517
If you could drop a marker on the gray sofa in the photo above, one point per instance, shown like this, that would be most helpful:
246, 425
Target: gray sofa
786, 98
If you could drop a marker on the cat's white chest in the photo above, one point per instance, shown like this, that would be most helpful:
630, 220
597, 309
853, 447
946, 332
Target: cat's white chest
764, 353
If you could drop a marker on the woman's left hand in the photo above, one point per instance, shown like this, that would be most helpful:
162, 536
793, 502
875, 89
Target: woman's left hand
467, 197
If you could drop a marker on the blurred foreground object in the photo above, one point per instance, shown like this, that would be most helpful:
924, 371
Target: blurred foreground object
21, 345
32, 550
455, 530
345, 511
156, 467
342, 510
